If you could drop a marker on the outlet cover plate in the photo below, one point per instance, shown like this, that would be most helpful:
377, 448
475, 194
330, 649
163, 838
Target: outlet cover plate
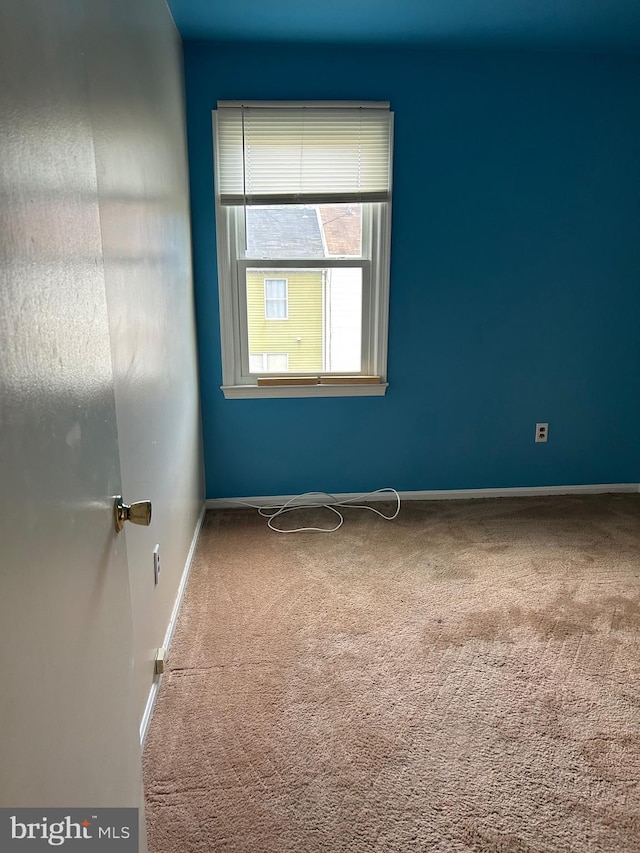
542, 432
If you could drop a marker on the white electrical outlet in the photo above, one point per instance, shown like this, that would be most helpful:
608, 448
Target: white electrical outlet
156, 564
542, 432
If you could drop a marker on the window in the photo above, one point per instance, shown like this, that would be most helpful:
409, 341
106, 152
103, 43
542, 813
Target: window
275, 298
269, 362
303, 197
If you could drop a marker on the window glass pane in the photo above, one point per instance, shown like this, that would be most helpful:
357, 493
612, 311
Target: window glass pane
275, 288
322, 332
343, 321
304, 231
256, 363
275, 309
277, 362
268, 362
342, 229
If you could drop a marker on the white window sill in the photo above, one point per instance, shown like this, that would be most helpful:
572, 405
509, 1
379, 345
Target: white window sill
249, 392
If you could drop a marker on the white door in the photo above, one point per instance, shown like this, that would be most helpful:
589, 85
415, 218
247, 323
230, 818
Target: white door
68, 730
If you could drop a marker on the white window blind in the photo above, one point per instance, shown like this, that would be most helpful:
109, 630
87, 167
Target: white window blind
303, 154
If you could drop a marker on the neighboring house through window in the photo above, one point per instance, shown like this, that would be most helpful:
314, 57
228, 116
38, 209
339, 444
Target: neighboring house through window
303, 217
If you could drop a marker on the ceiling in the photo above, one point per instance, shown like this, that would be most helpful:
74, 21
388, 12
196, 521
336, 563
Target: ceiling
602, 24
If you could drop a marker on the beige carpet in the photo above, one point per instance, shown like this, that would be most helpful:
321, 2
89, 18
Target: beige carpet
464, 678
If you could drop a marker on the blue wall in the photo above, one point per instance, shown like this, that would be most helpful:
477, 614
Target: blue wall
515, 275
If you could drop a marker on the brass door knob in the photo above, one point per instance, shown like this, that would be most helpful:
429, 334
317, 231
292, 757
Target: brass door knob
137, 513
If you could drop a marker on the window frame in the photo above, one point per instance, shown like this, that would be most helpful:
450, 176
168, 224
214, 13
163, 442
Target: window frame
237, 381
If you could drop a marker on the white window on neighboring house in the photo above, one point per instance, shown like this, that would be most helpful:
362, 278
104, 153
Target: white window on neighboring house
275, 298
269, 362
303, 211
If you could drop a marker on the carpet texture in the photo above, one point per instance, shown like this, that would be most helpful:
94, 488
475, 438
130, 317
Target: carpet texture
464, 678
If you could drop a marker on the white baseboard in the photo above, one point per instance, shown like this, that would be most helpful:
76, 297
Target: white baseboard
431, 495
148, 711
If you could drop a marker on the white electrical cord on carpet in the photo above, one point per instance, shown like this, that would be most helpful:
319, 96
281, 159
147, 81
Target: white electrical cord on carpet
273, 512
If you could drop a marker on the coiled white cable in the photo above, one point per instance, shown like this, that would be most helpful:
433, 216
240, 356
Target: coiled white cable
273, 512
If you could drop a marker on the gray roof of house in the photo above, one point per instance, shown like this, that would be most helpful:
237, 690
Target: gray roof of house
296, 230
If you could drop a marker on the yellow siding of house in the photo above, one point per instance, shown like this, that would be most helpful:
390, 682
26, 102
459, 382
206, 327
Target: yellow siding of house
304, 318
